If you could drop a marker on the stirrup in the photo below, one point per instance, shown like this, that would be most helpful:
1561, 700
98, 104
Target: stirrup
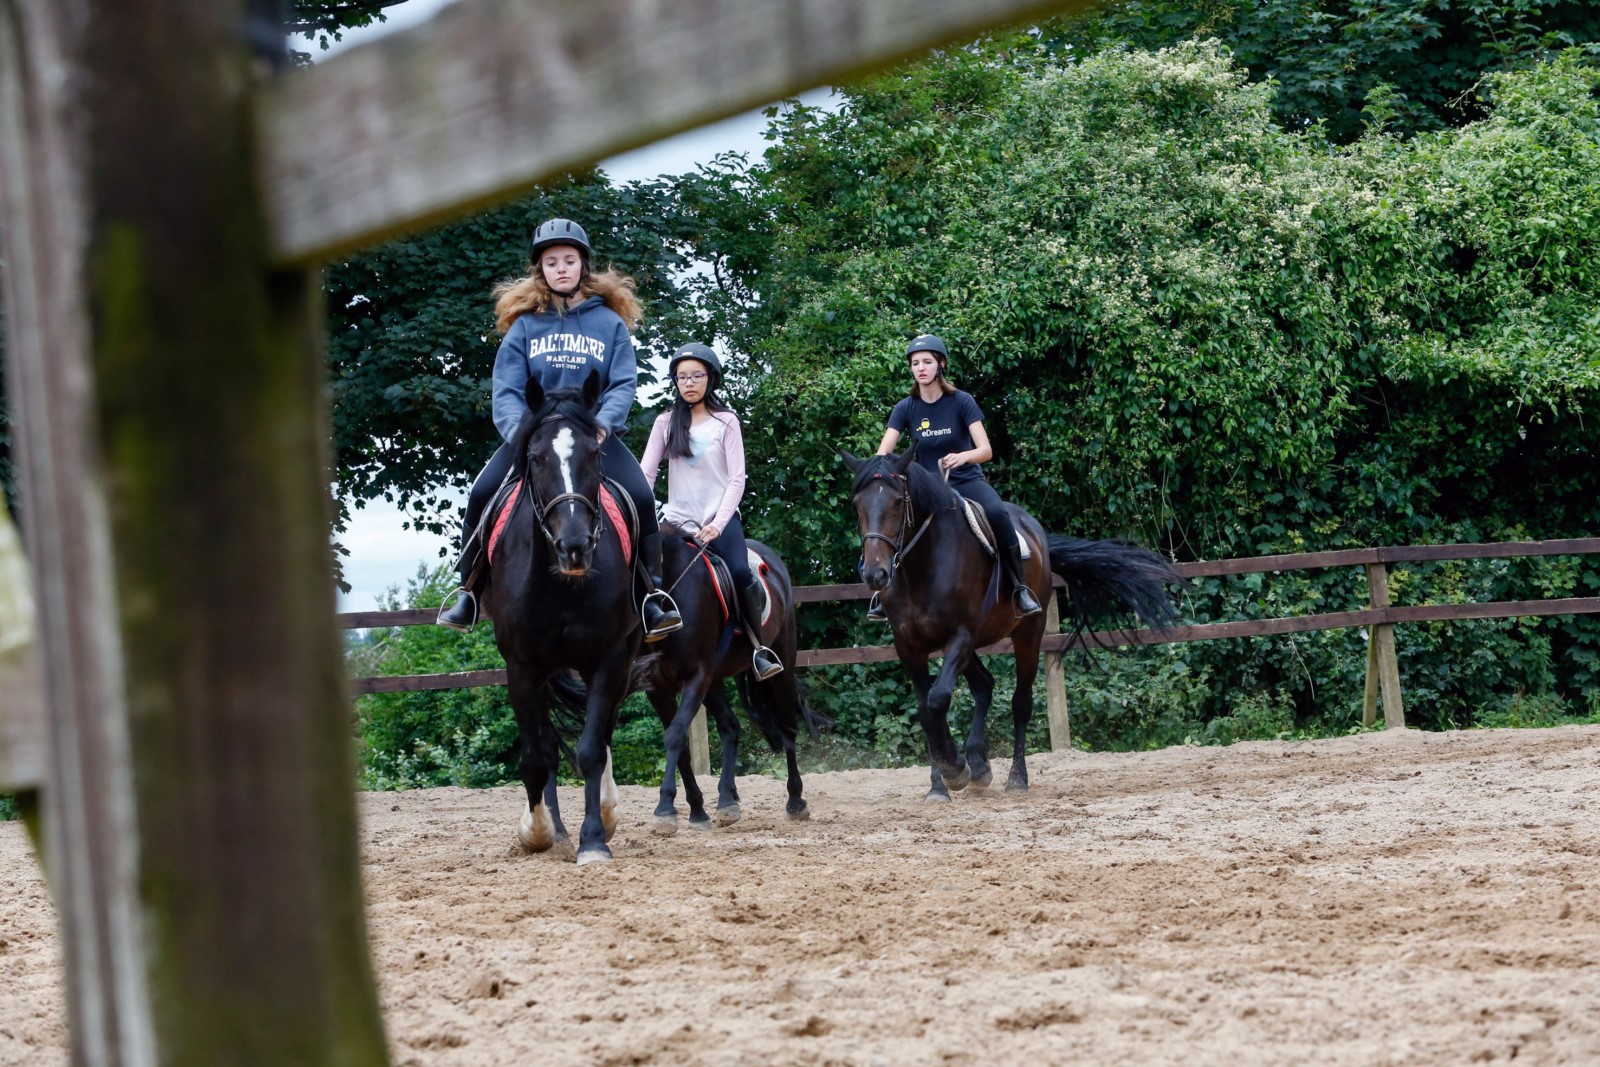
1022, 610
774, 664
669, 622
449, 611
875, 612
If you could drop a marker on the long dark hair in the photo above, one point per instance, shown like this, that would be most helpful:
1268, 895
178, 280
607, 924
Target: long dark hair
683, 415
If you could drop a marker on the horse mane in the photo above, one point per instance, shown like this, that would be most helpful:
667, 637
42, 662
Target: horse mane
562, 403
929, 492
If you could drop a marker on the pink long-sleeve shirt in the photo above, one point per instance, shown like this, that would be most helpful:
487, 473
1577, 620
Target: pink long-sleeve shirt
704, 488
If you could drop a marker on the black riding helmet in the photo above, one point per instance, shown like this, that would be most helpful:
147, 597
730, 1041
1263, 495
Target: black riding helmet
701, 352
929, 343
560, 232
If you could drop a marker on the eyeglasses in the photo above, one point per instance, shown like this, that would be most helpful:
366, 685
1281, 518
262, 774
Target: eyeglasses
690, 379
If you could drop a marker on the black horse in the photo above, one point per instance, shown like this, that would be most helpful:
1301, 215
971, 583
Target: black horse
561, 594
941, 592
691, 666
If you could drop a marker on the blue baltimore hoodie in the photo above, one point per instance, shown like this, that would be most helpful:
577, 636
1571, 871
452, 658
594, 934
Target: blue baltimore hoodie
558, 350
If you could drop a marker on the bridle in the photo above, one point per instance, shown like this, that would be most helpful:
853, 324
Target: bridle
544, 508
896, 552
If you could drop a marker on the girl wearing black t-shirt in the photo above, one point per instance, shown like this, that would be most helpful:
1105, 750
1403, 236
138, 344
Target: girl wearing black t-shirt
948, 427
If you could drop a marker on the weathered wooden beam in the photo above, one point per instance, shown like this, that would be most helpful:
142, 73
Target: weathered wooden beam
493, 96
199, 818
1055, 685
1384, 657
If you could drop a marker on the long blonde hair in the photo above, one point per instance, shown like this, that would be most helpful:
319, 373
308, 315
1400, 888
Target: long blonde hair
514, 296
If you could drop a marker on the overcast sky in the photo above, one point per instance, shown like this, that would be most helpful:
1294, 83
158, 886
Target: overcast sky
384, 554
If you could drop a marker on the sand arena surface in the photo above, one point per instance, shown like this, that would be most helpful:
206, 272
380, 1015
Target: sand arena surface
1405, 898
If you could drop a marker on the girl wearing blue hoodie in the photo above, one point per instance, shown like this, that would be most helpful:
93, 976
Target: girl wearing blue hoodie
562, 321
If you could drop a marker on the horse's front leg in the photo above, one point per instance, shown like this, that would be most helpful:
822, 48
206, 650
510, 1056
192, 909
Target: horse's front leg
917, 670
536, 741
675, 740
936, 709
981, 684
606, 689
1026, 640
717, 705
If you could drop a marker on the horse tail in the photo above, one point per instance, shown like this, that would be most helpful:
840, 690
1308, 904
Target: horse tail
569, 703
1107, 581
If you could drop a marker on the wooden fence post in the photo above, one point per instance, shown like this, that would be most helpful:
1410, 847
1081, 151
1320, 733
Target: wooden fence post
700, 743
198, 812
1055, 684
1381, 653
22, 721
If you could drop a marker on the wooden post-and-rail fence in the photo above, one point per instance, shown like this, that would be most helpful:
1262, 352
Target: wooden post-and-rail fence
1380, 619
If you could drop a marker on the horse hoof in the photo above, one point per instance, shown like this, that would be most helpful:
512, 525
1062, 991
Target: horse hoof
1016, 785
702, 824
936, 797
956, 782
536, 834
665, 825
594, 854
798, 811
728, 814
981, 781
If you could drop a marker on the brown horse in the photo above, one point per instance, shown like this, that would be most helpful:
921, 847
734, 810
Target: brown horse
941, 591
692, 664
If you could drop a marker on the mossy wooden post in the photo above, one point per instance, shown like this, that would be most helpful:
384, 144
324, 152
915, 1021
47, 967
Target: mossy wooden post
1055, 683
700, 743
168, 393
1381, 653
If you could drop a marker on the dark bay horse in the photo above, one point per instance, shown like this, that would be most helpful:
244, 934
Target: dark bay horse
940, 592
689, 671
561, 594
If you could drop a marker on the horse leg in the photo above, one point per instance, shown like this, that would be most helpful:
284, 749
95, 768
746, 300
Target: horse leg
786, 698
935, 724
981, 684
606, 689
938, 792
666, 813
536, 831
1025, 640
717, 705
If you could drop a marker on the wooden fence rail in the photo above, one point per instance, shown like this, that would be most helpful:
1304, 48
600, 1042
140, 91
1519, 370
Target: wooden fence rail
1383, 675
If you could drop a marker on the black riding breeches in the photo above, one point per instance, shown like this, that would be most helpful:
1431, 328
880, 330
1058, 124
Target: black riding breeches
982, 493
616, 463
730, 545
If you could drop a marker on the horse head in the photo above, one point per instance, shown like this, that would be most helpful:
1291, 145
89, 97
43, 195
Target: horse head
557, 455
882, 497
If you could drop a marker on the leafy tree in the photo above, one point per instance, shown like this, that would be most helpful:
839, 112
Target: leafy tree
1418, 61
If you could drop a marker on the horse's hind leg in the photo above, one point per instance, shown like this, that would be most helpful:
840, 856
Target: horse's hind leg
606, 690
728, 811
1026, 640
676, 715
786, 698
981, 684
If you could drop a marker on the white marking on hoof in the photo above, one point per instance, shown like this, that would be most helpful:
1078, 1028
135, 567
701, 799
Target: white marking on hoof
537, 831
665, 825
608, 799
594, 855
936, 798
727, 816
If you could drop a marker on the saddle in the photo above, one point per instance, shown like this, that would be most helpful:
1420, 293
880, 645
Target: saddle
979, 522
722, 582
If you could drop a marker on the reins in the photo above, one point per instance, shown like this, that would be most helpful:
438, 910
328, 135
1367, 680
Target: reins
897, 553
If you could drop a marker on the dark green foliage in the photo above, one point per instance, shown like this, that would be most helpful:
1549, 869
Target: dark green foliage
1415, 64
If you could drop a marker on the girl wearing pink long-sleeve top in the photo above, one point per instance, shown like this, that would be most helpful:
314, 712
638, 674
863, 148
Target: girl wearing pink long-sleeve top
704, 449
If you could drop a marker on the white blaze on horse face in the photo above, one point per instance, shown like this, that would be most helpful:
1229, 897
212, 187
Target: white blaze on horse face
564, 445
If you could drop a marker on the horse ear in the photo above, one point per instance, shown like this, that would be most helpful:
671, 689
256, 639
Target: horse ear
534, 395
903, 463
591, 389
849, 461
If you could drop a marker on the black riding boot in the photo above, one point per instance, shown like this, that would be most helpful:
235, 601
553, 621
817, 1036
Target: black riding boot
461, 611
764, 662
659, 613
1021, 596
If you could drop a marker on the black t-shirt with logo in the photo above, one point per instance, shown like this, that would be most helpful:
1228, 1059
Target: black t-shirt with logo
939, 429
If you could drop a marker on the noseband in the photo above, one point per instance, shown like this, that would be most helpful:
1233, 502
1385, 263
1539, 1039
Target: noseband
546, 507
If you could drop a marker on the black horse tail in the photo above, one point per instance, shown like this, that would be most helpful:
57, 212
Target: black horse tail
569, 703
1114, 582
777, 706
